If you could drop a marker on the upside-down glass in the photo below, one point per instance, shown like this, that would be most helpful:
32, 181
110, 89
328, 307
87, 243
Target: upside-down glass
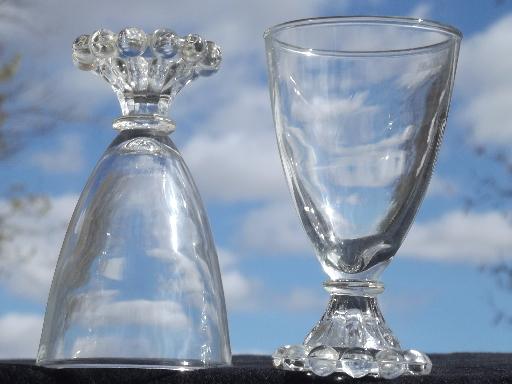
137, 282
360, 105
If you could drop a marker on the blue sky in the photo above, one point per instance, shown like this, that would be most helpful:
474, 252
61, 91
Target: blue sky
436, 297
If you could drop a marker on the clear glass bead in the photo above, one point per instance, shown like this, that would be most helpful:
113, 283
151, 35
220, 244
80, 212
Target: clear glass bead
417, 362
391, 364
323, 360
146, 80
212, 57
295, 358
278, 356
82, 55
103, 43
193, 48
132, 42
165, 43
357, 362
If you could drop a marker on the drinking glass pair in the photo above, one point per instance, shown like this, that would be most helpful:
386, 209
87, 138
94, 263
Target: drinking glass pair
359, 104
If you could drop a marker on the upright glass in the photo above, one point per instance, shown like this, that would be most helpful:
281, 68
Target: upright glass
360, 105
137, 283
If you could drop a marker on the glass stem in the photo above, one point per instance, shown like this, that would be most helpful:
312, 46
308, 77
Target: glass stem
353, 318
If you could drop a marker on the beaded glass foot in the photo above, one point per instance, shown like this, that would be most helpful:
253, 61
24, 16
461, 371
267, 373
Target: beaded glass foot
360, 105
354, 362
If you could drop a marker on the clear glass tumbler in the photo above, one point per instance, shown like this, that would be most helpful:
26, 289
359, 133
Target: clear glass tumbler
360, 105
137, 283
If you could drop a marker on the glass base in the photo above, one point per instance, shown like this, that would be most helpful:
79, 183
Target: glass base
352, 338
177, 365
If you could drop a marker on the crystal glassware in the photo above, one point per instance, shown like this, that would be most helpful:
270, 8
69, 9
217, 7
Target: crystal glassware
137, 282
360, 105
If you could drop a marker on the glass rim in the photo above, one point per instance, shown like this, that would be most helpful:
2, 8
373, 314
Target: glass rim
452, 33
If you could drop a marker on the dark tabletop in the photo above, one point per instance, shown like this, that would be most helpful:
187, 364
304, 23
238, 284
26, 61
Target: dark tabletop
451, 368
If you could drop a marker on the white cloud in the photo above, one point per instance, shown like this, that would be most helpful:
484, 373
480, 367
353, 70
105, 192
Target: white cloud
485, 85
32, 236
66, 158
407, 303
231, 149
304, 300
242, 293
422, 11
459, 237
233, 154
441, 187
234, 22
236, 26
19, 335
453, 237
275, 228
235, 157
489, 116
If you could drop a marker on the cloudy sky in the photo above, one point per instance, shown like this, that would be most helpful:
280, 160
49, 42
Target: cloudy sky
436, 299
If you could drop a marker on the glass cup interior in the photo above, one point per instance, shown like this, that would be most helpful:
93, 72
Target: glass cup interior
360, 105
